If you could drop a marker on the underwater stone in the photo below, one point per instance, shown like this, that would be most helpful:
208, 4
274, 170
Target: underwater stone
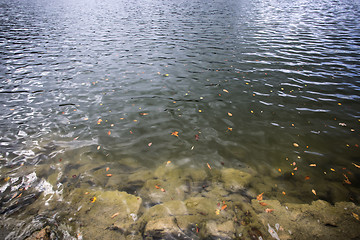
234, 179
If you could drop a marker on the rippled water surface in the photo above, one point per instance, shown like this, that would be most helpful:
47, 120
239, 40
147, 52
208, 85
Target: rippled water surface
269, 86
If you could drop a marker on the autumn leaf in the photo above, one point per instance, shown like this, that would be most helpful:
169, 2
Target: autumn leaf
260, 197
208, 165
99, 121
115, 214
307, 178
263, 204
143, 114
149, 144
107, 169
225, 90
109, 133
346, 179
217, 211
358, 166
313, 191
355, 216
6, 179
109, 175
230, 114
312, 165
284, 193
197, 137
332, 169
175, 133
279, 170
229, 129
268, 210
93, 199
157, 187
295, 145
223, 207
163, 190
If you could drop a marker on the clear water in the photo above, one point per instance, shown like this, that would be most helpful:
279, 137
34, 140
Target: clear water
286, 71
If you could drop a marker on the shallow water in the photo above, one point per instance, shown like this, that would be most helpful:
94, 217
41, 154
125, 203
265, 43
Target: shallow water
266, 87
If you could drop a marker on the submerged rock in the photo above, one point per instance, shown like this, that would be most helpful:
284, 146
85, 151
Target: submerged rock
234, 179
43, 234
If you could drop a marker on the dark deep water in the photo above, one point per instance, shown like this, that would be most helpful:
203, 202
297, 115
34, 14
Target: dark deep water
88, 83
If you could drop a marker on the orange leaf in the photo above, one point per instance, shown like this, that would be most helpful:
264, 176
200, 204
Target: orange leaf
223, 207
109, 175
115, 214
268, 210
313, 191
175, 133
230, 114
312, 165
208, 165
163, 190
157, 187
99, 121
109, 132
284, 193
144, 114
279, 170
356, 165
295, 145
107, 169
307, 178
93, 199
355, 216
263, 204
260, 197
225, 90
346, 179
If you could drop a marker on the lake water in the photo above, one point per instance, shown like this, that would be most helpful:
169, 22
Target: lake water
269, 87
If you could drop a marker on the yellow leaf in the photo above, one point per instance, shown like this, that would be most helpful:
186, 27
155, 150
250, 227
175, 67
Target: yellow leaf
93, 199
313, 191
312, 165
332, 169
217, 211
355, 216
225, 90
208, 165
107, 169
295, 145
230, 114
356, 165
229, 129
99, 121
279, 170
6, 179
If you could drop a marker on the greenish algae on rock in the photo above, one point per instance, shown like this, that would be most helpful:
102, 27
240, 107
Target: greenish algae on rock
234, 179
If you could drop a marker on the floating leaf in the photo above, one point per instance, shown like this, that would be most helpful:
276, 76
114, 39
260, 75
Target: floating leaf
229, 129
284, 193
230, 114
268, 210
313, 191
99, 121
225, 90
175, 133
143, 114
223, 207
93, 199
355, 216
279, 170
168, 162
358, 166
197, 137
332, 169
346, 179
312, 165
157, 187
149, 144
109, 132
208, 165
295, 145
307, 178
107, 169
263, 204
217, 211
109, 175
163, 190
260, 197
6, 179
